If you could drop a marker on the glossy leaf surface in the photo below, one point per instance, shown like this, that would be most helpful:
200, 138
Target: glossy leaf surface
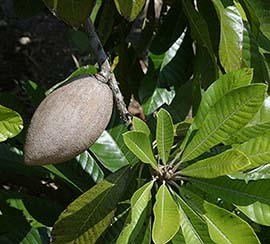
139, 144
228, 115
166, 216
194, 229
139, 202
89, 215
252, 198
257, 150
231, 35
140, 125
11, 123
220, 223
164, 134
72, 12
129, 8
227, 162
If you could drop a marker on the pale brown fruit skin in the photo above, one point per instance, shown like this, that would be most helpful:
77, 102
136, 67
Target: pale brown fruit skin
68, 121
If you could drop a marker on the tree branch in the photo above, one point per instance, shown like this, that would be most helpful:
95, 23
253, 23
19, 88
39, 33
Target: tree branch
106, 75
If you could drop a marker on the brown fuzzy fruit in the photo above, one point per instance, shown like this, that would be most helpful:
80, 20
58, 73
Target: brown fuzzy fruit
68, 121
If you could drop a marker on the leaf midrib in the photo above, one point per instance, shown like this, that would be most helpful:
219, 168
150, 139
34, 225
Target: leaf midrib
243, 194
217, 128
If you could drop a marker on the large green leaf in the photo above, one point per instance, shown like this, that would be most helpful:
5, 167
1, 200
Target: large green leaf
110, 152
231, 35
164, 134
216, 91
175, 68
139, 143
11, 123
262, 11
11, 161
193, 227
226, 227
220, 88
72, 12
252, 56
251, 16
130, 9
263, 114
166, 216
157, 98
227, 162
139, 202
171, 28
32, 207
227, 116
223, 226
260, 173
257, 150
199, 28
249, 132
89, 215
23, 233
253, 199
89, 165
258, 126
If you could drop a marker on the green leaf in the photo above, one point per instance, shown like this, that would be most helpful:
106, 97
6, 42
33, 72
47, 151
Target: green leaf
89, 70
227, 162
199, 28
248, 132
139, 202
89, 165
257, 150
130, 9
176, 62
193, 227
140, 125
110, 152
72, 12
23, 233
32, 207
251, 16
263, 114
159, 97
164, 134
35, 92
216, 91
258, 126
89, 215
226, 227
166, 216
219, 89
231, 35
252, 56
11, 123
253, 199
220, 221
260, 173
262, 10
227, 116
182, 102
171, 28
139, 144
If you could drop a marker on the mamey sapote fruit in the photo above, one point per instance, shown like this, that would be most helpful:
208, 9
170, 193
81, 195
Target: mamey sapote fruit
68, 121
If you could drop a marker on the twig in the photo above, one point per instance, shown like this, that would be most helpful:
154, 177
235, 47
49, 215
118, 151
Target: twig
106, 75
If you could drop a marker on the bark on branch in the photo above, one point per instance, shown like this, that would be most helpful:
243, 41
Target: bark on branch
106, 75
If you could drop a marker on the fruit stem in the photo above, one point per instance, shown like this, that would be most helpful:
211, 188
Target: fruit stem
106, 75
